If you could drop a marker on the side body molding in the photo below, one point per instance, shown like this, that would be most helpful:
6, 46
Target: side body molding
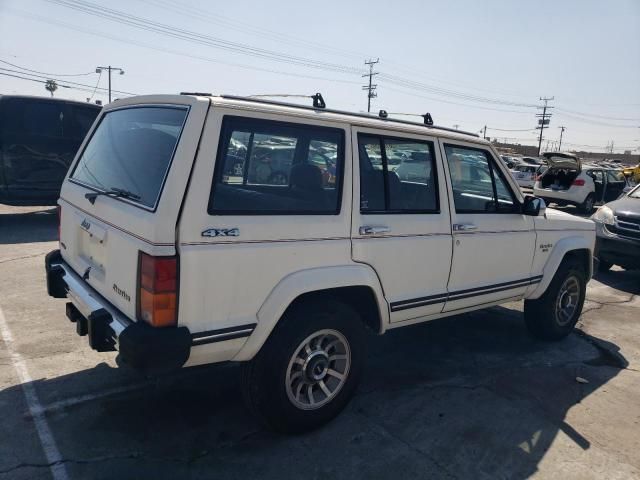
577, 242
305, 281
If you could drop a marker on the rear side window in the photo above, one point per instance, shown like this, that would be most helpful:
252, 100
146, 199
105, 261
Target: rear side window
268, 167
478, 186
397, 175
131, 149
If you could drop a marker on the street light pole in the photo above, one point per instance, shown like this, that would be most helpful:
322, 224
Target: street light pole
109, 69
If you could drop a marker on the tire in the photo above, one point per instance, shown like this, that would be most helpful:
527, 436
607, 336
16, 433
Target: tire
543, 320
604, 266
283, 361
587, 206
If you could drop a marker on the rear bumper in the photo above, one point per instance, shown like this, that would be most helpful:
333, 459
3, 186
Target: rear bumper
139, 345
612, 248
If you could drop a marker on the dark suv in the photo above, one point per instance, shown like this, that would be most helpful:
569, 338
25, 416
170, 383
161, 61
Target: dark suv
39, 137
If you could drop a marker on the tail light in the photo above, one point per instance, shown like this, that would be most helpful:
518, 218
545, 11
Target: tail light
158, 290
59, 212
578, 182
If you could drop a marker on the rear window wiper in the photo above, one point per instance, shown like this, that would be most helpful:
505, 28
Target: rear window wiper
113, 192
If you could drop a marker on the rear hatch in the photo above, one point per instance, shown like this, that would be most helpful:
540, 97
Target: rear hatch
564, 168
141, 151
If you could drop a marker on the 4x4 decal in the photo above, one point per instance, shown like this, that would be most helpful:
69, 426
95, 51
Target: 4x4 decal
221, 232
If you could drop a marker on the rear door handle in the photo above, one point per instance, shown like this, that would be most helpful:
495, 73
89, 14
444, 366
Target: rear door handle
374, 229
463, 227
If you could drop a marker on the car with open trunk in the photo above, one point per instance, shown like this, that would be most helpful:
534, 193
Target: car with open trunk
568, 182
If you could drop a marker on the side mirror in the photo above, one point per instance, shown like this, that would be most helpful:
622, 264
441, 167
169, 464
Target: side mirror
533, 206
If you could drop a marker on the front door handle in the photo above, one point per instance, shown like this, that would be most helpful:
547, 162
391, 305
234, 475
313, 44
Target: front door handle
463, 227
374, 229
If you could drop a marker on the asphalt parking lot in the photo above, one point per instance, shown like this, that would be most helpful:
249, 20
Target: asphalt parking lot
470, 396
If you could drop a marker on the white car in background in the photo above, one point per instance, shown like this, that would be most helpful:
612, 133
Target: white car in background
568, 182
526, 175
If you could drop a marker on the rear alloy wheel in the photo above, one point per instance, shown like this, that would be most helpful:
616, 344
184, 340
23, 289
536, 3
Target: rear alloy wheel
308, 369
318, 370
587, 205
554, 315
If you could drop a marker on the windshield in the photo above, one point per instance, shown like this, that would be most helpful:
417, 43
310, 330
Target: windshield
131, 150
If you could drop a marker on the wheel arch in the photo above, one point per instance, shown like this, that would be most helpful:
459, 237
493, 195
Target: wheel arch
356, 285
574, 247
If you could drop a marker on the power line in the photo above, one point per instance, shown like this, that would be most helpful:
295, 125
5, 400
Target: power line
511, 129
439, 100
45, 73
226, 22
65, 81
371, 88
593, 122
182, 34
43, 81
96, 87
121, 39
590, 115
124, 18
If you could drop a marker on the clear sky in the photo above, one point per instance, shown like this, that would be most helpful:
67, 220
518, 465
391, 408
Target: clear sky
468, 62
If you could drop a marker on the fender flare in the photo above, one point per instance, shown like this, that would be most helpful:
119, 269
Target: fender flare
307, 281
560, 249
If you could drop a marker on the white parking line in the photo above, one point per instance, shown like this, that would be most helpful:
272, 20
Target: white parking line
72, 401
51, 452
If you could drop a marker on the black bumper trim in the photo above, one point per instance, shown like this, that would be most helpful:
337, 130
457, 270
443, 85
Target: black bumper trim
222, 334
55, 285
140, 346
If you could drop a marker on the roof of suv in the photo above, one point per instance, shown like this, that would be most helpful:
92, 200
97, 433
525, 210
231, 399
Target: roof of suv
304, 111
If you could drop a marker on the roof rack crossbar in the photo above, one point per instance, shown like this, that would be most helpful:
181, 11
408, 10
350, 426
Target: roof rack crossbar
351, 114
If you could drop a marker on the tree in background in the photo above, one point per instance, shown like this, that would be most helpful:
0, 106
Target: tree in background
51, 86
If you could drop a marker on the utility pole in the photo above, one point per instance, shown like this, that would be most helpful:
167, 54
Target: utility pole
544, 121
484, 135
456, 126
109, 69
371, 88
562, 129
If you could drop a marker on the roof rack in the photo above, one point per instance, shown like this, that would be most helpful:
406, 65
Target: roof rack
322, 106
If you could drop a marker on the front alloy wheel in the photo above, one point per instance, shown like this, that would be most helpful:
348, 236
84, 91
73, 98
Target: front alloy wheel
567, 300
555, 313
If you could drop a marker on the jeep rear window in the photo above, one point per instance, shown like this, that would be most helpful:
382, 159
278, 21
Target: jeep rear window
131, 149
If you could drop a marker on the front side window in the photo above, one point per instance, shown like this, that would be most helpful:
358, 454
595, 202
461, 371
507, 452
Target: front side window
397, 175
268, 167
615, 176
132, 149
478, 186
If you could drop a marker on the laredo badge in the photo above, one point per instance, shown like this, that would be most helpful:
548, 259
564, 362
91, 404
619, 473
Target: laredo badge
221, 232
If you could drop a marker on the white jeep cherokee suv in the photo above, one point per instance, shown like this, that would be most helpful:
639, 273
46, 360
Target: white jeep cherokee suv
179, 246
